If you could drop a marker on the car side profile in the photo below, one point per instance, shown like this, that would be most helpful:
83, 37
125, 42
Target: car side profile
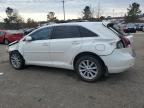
7, 37
89, 48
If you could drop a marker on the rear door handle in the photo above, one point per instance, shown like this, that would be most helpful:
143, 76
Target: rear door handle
45, 44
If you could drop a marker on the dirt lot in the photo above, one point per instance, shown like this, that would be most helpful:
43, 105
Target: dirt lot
43, 87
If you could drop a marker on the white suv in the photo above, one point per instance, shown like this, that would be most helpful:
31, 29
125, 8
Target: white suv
89, 48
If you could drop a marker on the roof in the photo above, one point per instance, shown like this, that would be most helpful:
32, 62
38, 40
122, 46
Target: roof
75, 23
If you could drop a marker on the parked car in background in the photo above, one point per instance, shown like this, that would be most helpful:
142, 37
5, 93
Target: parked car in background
143, 28
90, 48
8, 36
130, 28
139, 27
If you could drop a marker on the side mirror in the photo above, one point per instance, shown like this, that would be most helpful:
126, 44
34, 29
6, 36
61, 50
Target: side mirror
28, 38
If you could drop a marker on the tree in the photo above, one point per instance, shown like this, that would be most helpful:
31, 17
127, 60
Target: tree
6, 20
51, 17
133, 12
9, 11
87, 13
102, 18
17, 18
13, 20
31, 23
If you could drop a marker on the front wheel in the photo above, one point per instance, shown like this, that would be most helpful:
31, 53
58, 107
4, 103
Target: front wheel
16, 60
89, 68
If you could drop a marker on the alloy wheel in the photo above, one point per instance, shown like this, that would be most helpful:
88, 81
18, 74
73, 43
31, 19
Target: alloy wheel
15, 60
88, 69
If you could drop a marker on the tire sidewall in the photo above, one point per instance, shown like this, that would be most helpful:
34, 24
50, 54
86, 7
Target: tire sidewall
21, 60
98, 64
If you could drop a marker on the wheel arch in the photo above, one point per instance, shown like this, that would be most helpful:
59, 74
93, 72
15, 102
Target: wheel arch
22, 60
13, 51
88, 53
17, 52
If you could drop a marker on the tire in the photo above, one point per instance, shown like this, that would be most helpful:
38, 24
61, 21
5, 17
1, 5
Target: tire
17, 60
6, 41
89, 68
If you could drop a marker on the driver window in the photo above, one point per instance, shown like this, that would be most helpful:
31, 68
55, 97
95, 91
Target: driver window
42, 34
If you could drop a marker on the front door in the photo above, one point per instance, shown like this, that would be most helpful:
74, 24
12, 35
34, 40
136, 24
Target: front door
37, 51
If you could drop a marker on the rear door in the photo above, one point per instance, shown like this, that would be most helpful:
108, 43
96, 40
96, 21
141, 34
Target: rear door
66, 41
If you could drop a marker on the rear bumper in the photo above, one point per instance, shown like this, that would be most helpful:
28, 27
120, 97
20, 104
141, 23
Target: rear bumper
118, 61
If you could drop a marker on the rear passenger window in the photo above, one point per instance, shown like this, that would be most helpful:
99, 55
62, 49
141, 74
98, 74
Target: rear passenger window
62, 32
86, 33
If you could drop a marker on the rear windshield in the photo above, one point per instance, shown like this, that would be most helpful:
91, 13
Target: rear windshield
116, 29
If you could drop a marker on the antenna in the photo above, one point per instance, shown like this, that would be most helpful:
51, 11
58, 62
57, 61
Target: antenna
63, 9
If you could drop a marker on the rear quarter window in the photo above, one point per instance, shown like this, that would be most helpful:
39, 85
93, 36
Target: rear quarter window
86, 33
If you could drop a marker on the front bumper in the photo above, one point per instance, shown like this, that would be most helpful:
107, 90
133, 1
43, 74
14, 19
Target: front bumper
119, 61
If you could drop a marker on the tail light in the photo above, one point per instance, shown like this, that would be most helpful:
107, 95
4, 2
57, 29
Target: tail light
126, 42
123, 43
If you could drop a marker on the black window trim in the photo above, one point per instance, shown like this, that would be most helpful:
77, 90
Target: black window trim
52, 32
54, 28
96, 35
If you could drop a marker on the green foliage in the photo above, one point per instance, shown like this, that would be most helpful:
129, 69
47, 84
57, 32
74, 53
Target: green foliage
87, 13
13, 18
51, 17
31, 23
133, 12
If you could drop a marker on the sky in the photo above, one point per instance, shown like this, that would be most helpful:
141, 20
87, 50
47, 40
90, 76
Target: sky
38, 9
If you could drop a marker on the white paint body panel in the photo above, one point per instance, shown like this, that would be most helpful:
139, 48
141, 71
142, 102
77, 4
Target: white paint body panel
61, 52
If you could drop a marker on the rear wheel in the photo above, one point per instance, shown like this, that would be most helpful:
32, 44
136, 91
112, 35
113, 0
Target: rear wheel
6, 41
17, 60
89, 68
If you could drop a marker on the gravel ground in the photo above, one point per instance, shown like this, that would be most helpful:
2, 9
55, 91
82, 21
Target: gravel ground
43, 87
